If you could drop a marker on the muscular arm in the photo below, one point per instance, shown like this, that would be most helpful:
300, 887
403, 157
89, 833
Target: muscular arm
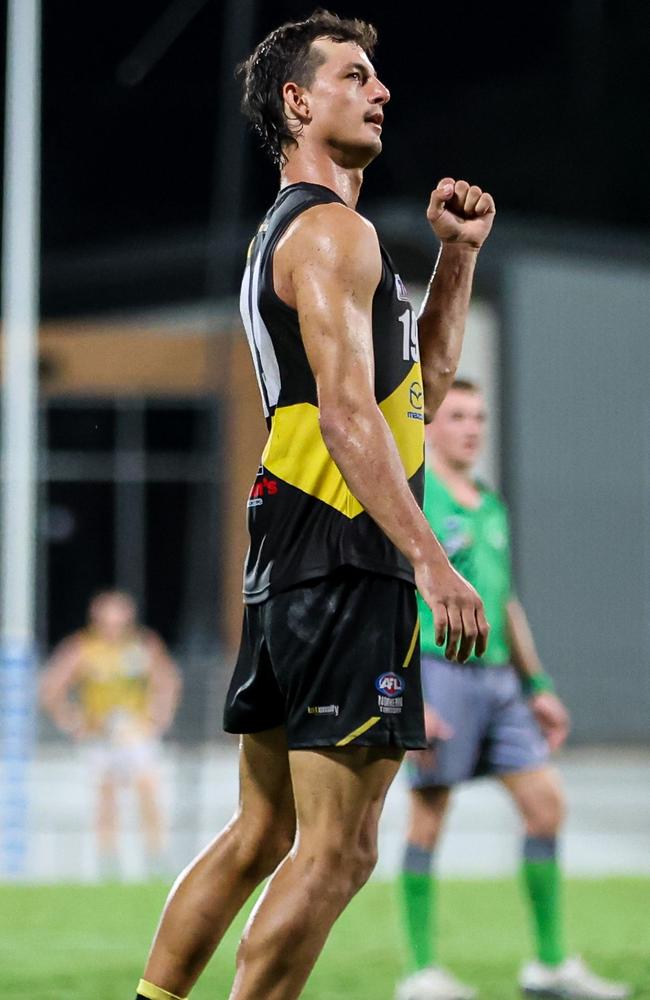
331, 261
165, 684
461, 216
441, 323
57, 680
335, 267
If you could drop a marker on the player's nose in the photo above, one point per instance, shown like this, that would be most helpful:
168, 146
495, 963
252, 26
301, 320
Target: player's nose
381, 93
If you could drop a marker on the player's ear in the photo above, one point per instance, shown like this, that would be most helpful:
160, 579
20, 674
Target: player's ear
296, 103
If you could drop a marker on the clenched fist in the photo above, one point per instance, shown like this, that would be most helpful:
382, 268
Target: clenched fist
461, 213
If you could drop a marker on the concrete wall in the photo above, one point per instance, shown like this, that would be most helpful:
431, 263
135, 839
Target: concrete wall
576, 458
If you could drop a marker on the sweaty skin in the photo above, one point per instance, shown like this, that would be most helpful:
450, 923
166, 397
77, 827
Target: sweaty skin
328, 266
326, 802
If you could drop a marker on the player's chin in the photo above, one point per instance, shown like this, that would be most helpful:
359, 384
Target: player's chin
375, 145
359, 154
369, 152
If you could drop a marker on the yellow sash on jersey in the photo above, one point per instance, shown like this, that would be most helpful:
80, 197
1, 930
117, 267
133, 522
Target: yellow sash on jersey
296, 452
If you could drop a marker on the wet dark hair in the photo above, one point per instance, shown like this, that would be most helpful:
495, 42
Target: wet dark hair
284, 55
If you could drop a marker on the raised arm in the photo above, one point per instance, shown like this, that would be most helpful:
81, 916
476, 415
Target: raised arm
461, 217
329, 263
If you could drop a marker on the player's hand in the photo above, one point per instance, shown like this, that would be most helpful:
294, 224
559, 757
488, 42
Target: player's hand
458, 615
553, 718
73, 724
461, 213
158, 723
436, 729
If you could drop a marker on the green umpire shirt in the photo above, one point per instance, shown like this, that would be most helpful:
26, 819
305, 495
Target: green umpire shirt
477, 542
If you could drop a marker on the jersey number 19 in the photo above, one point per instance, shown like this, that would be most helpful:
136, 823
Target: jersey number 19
410, 344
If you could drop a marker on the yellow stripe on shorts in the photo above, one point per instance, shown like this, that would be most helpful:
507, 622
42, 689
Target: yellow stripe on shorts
359, 732
411, 649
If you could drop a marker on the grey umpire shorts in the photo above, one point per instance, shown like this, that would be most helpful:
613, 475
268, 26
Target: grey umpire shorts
495, 731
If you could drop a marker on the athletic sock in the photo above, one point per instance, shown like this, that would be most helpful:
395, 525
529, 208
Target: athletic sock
543, 882
147, 991
418, 887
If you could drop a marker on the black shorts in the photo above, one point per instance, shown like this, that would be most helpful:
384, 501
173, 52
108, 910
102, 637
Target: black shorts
335, 660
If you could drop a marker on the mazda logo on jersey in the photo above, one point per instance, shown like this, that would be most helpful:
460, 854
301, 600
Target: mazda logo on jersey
390, 685
416, 396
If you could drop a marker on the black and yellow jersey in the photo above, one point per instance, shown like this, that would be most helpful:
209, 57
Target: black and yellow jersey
303, 520
114, 683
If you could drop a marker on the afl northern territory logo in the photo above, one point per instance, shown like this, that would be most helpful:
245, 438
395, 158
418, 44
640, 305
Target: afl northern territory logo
390, 685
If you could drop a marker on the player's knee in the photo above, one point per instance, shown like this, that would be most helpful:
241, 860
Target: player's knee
557, 809
261, 848
546, 818
426, 816
424, 829
364, 865
351, 865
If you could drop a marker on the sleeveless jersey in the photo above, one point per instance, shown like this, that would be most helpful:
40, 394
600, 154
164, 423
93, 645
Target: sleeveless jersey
303, 520
114, 683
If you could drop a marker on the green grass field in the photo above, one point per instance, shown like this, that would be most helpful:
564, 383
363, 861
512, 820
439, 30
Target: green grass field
88, 943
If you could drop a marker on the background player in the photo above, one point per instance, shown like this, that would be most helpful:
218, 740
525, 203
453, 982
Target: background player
326, 689
499, 716
113, 687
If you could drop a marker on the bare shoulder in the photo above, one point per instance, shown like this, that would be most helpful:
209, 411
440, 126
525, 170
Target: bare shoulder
73, 644
67, 656
331, 236
151, 640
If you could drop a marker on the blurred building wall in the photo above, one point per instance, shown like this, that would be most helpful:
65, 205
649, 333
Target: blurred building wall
131, 363
576, 457
86, 359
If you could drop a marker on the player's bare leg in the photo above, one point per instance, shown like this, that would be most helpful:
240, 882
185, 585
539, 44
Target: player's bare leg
107, 818
427, 809
539, 798
339, 796
147, 786
212, 890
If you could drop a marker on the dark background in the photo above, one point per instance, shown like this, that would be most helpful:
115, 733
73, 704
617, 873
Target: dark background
545, 105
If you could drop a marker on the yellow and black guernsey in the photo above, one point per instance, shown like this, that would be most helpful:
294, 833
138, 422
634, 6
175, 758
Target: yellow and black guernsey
303, 520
